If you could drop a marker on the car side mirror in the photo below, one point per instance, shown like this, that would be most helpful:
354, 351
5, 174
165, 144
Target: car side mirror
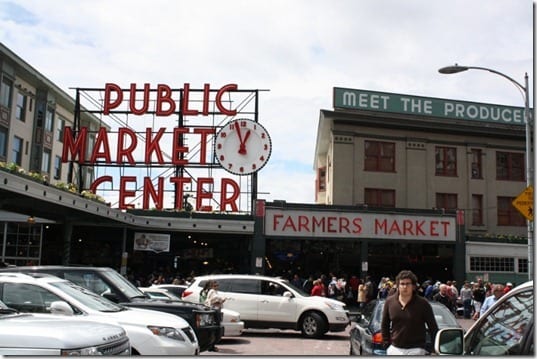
449, 341
287, 294
111, 296
60, 307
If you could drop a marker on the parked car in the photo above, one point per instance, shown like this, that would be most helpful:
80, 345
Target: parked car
269, 302
40, 335
176, 289
231, 320
115, 287
506, 328
365, 336
150, 332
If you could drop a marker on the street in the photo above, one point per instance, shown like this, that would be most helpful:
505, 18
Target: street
276, 342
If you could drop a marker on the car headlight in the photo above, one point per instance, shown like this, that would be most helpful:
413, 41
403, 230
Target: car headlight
204, 319
82, 351
334, 306
167, 332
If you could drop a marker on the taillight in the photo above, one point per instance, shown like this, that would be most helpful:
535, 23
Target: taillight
186, 293
377, 338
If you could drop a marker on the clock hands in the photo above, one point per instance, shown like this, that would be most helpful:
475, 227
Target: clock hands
242, 146
242, 149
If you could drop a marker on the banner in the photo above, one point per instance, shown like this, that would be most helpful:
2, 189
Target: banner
152, 242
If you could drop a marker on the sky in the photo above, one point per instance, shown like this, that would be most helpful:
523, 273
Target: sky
299, 50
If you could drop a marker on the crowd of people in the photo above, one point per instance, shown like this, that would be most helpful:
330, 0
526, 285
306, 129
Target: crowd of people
467, 301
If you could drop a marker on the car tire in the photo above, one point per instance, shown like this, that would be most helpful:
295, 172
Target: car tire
313, 325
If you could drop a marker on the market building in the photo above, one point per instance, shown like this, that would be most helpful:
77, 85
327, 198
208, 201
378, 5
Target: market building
396, 186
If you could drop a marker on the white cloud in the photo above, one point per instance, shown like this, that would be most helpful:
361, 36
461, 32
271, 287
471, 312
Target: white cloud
298, 49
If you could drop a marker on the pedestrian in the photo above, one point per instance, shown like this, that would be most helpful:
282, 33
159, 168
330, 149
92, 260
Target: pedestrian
296, 281
478, 297
466, 298
317, 289
404, 317
371, 289
444, 297
215, 301
429, 287
203, 294
497, 292
354, 282
308, 284
508, 287
362, 294
332, 288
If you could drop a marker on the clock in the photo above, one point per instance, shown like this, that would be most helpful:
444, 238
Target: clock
242, 146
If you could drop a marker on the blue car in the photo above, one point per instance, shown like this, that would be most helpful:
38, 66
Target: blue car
365, 335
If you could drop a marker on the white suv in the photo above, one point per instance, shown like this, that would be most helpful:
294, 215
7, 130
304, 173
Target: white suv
40, 335
269, 302
150, 332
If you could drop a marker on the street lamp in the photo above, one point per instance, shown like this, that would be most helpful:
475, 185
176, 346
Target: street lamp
529, 143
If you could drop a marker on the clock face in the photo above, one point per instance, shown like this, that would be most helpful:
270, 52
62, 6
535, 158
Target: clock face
242, 146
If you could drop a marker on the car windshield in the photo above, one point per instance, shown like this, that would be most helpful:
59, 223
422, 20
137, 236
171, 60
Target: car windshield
127, 288
444, 318
87, 297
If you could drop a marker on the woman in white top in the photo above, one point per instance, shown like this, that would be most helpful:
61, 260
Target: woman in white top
214, 299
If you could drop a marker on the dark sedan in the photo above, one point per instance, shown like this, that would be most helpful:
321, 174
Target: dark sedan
365, 336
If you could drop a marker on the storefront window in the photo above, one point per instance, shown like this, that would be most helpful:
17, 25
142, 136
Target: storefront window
22, 243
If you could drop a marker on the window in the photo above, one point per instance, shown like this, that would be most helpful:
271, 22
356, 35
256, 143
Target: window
17, 150
245, 286
477, 210
321, 179
510, 166
492, 264
49, 120
20, 110
503, 330
446, 161
379, 156
477, 171
45, 161
5, 92
3, 143
57, 167
508, 215
522, 265
379, 197
446, 200
60, 126
272, 288
28, 298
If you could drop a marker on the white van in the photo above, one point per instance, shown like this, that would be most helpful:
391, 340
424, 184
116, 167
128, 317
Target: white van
269, 302
150, 332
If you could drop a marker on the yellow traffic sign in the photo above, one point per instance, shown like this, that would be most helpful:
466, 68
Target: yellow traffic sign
524, 203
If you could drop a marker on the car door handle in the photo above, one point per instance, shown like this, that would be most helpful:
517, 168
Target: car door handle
265, 301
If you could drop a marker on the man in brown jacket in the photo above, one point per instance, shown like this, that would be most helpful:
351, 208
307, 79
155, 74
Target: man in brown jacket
407, 313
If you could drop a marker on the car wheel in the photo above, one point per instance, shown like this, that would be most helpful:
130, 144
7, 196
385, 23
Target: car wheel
313, 325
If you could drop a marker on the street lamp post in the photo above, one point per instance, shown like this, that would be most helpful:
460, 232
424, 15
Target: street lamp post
529, 143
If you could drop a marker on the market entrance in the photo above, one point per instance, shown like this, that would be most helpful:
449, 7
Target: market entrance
343, 257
